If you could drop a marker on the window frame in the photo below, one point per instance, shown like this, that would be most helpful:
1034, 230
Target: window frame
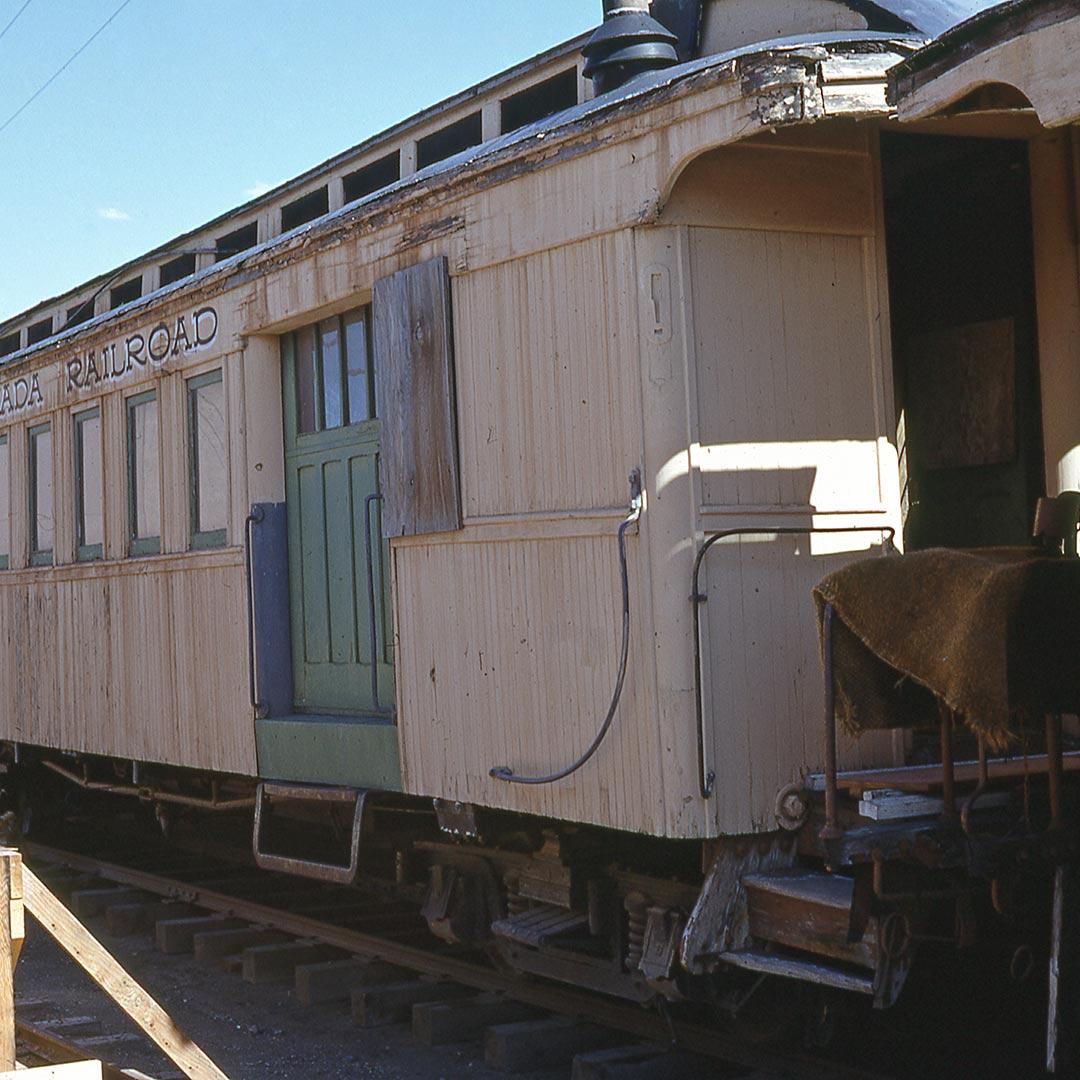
139, 546
38, 556
363, 311
86, 552
201, 540
5, 556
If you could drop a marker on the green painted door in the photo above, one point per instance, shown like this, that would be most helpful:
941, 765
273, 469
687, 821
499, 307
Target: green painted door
331, 469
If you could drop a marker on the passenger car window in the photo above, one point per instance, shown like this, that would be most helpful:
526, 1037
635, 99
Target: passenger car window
206, 460
89, 491
144, 474
42, 524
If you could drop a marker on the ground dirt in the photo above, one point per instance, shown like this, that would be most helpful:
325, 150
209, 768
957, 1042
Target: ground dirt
252, 1032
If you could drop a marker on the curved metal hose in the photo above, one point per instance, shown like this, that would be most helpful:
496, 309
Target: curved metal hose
504, 772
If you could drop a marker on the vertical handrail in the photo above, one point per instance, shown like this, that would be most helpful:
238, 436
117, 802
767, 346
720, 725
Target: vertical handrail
706, 776
254, 518
831, 829
373, 641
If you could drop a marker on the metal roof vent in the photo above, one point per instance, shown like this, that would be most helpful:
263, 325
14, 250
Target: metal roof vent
629, 42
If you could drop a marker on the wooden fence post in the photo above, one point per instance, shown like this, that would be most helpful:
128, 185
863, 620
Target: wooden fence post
9, 861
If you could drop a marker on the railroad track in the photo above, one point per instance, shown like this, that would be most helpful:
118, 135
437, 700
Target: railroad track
55, 1040
340, 946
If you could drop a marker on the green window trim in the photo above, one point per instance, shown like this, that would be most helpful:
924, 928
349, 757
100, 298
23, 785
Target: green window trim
5, 558
38, 556
83, 552
201, 540
137, 545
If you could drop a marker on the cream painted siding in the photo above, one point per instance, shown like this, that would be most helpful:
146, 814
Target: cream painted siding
788, 381
547, 373
139, 661
515, 663
515, 667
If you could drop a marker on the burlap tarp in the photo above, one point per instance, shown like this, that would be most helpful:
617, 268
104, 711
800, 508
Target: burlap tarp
993, 634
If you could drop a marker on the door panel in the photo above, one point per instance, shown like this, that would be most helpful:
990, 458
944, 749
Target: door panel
330, 473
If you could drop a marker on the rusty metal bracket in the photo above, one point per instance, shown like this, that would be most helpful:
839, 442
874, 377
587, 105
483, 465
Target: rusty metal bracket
457, 819
320, 871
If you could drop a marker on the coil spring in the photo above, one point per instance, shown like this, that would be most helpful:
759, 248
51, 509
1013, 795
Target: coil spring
636, 918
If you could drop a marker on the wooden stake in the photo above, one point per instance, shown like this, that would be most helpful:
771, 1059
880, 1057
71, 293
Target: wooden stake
92, 956
7, 963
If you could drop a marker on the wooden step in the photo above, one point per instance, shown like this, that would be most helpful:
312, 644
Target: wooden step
790, 967
810, 911
811, 886
538, 924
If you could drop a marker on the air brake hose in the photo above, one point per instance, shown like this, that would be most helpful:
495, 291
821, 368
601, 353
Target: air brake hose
504, 772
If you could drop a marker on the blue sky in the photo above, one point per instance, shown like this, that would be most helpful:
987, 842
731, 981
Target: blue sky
182, 109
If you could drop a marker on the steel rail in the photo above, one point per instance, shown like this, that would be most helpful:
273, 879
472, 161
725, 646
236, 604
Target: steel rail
569, 1001
57, 1050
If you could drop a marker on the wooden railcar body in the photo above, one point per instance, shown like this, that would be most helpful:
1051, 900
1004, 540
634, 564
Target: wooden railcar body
592, 336
688, 279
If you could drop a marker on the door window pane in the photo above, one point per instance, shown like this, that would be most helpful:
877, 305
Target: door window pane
206, 417
357, 366
307, 384
144, 475
330, 349
89, 495
332, 372
5, 505
42, 524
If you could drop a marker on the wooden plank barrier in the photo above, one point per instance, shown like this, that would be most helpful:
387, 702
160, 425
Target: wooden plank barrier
100, 965
72, 1070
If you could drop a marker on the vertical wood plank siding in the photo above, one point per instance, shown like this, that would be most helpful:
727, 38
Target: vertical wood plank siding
509, 642
514, 665
547, 376
146, 665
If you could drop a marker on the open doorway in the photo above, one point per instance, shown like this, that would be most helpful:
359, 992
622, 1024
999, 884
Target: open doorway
961, 286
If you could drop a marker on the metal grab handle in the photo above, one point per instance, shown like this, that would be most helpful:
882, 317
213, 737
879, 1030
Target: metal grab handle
256, 517
706, 776
373, 641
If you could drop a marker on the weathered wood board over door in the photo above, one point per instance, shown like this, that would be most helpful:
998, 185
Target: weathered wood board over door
332, 467
415, 385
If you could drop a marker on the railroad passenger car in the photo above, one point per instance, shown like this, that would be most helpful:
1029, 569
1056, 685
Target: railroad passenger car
486, 471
